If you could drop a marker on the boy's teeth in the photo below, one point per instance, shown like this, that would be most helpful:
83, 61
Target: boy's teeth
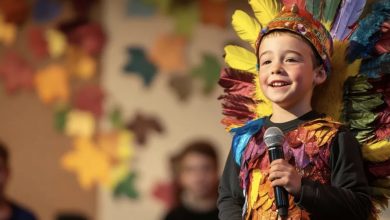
278, 84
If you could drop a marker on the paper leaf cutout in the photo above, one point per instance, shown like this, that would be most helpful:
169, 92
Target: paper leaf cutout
83, 7
116, 118
169, 53
185, 19
127, 187
164, 192
91, 164
139, 64
7, 32
60, 117
68, 26
214, 12
89, 37
139, 8
142, 126
80, 64
56, 43
118, 145
208, 72
37, 42
52, 84
80, 124
46, 10
182, 86
15, 11
16, 72
90, 98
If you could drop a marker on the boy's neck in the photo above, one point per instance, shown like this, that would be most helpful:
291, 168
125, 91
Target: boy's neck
281, 115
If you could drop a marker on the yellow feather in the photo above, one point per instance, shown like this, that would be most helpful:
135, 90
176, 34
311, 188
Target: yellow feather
240, 58
256, 179
328, 97
265, 10
377, 152
247, 28
264, 108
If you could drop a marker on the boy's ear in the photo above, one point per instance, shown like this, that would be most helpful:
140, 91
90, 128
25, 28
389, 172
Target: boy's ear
319, 75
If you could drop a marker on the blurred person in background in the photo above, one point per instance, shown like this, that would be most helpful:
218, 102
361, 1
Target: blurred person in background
195, 171
9, 210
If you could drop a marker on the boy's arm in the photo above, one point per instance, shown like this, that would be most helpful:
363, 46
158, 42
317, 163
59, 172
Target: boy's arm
230, 195
348, 196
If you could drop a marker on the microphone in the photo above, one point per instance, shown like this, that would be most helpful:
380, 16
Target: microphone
274, 138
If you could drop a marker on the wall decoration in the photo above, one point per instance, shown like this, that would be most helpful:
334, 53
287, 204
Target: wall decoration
127, 187
214, 12
89, 37
90, 163
56, 43
90, 98
15, 11
140, 65
208, 72
182, 86
7, 31
169, 53
52, 84
80, 124
164, 192
185, 20
80, 64
82, 8
37, 42
16, 72
142, 126
140, 8
46, 10
60, 117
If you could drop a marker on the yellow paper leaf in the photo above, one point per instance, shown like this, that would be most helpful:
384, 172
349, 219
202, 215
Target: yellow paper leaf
56, 43
7, 32
91, 164
80, 63
52, 83
80, 124
240, 58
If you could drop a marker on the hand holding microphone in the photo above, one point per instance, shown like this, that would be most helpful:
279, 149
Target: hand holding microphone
283, 176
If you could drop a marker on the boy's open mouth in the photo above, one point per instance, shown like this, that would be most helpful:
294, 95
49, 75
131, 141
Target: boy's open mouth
279, 83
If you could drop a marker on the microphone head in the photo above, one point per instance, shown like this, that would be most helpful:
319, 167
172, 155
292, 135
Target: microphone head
273, 136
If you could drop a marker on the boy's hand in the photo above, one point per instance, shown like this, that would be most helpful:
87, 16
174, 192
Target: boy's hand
284, 174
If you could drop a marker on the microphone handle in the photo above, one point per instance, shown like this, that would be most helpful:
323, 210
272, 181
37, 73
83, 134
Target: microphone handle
280, 193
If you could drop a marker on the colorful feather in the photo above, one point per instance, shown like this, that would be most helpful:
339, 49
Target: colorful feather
265, 10
246, 27
314, 7
240, 58
349, 13
301, 4
330, 10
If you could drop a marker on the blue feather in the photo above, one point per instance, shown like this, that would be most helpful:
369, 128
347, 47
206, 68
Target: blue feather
375, 67
242, 136
367, 34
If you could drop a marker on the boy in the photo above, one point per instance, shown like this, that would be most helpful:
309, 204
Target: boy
322, 169
196, 171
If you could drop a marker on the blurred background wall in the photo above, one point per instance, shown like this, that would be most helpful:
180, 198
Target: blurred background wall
141, 78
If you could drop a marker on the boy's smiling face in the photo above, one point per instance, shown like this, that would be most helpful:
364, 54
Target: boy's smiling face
287, 73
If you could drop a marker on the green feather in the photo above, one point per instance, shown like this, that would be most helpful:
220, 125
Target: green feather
331, 7
313, 6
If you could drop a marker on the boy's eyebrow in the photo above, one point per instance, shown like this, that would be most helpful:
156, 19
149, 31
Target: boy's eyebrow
287, 51
267, 51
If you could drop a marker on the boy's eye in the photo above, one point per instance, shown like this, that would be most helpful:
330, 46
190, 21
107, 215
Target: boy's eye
291, 60
265, 62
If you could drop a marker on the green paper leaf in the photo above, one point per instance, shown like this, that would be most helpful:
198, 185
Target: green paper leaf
208, 72
185, 19
127, 187
116, 118
60, 118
